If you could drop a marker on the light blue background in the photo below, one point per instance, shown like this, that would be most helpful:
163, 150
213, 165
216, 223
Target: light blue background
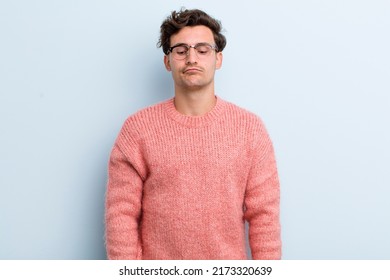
317, 72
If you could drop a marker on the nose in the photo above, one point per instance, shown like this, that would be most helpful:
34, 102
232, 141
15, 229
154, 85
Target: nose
191, 56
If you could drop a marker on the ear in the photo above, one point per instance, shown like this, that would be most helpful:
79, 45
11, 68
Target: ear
167, 63
219, 58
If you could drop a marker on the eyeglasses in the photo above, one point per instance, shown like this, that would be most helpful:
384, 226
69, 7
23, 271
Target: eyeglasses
181, 51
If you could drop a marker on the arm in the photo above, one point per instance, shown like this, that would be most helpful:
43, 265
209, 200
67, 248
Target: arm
123, 208
262, 202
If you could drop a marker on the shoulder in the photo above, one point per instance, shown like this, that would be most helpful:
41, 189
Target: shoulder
247, 124
142, 121
242, 116
148, 113
146, 117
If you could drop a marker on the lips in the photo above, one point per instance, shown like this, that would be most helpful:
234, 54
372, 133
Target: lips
192, 69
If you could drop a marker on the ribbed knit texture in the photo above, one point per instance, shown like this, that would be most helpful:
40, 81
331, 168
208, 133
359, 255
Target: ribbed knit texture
181, 187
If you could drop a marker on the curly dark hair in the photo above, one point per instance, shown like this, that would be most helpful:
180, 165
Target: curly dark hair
178, 20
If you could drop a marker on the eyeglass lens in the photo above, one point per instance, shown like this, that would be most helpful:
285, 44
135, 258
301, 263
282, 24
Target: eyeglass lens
201, 49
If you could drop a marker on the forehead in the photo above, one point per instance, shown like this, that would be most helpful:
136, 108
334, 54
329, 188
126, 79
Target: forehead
192, 35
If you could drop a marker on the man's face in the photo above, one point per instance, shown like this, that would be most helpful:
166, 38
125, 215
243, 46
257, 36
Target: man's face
193, 72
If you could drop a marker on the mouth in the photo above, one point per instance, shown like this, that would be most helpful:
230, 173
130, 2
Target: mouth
192, 70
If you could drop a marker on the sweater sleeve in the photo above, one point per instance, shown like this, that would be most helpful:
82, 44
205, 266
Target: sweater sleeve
123, 208
262, 201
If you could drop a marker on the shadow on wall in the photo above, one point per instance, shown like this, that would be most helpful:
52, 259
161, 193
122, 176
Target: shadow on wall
98, 208
152, 83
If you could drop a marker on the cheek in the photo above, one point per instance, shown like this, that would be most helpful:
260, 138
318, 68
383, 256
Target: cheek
175, 67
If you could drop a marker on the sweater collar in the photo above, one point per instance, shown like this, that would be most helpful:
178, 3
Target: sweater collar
194, 121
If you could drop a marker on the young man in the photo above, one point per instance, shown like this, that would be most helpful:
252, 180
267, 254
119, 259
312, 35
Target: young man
185, 174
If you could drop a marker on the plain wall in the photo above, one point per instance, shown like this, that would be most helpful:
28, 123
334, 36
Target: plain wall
317, 72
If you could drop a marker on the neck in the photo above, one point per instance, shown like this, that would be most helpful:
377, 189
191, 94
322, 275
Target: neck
194, 103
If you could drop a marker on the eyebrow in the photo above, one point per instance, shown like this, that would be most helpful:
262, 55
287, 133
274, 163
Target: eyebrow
185, 44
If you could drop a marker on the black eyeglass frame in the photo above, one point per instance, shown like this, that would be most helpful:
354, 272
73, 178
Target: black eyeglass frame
213, 47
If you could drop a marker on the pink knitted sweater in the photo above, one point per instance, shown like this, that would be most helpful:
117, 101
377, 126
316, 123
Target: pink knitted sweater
181, 187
